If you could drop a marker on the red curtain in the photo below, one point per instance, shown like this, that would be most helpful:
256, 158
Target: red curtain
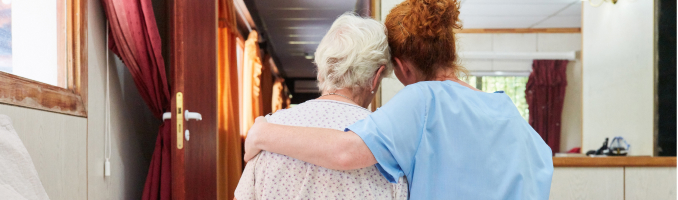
135, 39
545, 93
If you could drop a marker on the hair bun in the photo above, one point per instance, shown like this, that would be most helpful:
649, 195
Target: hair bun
432, 18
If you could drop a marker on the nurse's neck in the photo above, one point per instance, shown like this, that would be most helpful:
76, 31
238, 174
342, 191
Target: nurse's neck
407, 73
455, 79
447, 75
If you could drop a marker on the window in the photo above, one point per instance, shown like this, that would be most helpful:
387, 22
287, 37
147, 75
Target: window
513, 86
33, 40
43, 55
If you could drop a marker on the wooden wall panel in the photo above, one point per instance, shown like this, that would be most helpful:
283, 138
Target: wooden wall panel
57, 144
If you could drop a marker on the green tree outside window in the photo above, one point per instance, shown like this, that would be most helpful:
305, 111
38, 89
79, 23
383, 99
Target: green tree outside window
513, 86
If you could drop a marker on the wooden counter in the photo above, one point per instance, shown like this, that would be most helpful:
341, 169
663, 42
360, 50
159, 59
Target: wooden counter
633, 161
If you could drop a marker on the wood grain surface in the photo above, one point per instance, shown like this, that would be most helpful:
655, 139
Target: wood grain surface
633, 161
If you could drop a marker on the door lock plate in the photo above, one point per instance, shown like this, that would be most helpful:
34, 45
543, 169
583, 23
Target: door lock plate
180, 120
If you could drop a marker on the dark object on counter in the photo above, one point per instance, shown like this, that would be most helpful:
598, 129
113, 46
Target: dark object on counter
591, 152
603, 150
618, 147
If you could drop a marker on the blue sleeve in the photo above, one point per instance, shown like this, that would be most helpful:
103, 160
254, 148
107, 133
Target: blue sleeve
394, 131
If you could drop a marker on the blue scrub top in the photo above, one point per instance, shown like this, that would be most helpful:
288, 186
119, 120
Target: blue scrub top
452, 142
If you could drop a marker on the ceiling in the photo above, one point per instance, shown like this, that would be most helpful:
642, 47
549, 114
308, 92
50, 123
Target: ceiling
295, 27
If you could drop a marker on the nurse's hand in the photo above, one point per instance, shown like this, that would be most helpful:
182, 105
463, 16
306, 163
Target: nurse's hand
251, 149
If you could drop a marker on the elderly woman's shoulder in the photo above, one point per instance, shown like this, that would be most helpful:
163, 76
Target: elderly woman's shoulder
294, 109
278, 113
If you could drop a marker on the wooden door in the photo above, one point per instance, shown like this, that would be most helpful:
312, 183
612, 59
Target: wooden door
193, 68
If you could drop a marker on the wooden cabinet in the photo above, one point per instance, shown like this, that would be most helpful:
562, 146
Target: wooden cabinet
596, 183
626, 178
655, 183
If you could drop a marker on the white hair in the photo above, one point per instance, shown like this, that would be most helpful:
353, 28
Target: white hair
351, 53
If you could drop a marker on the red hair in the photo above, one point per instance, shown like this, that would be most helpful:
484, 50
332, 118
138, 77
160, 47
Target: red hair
421, 31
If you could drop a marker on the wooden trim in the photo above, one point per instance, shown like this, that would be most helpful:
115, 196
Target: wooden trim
28, 93
624, 188
376, 101
78, 54
521, 30
176, 27
19, 91
640, 161
375, 9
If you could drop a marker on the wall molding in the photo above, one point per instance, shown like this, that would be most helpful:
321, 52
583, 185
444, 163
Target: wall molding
495, 55
520, 30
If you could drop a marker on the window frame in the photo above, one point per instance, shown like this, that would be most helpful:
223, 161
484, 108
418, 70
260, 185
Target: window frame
72, 100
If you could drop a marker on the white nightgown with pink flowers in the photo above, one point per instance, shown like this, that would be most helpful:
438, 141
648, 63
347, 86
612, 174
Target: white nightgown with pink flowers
274, 176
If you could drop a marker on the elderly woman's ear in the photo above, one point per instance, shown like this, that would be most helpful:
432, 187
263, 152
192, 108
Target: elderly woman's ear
377, 78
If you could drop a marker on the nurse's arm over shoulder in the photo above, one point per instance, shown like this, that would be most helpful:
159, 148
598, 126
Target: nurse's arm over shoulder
329, 148
340, 150
393, 132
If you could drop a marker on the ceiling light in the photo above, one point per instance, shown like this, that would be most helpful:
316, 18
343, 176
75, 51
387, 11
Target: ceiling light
309, 56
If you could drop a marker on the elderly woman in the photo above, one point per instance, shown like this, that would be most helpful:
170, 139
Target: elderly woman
449, 139
351, 58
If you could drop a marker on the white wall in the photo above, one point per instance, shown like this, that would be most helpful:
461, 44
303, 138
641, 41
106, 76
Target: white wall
618, 74
513, 43
133, 126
